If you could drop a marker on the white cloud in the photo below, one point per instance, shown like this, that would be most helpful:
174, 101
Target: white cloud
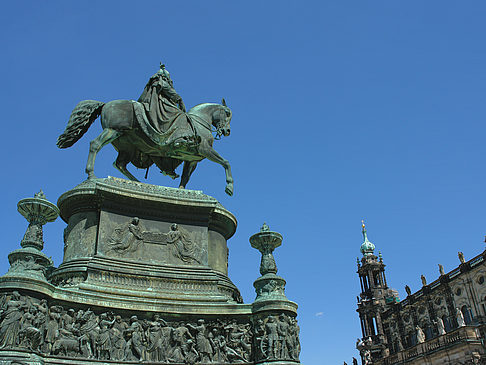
319, 314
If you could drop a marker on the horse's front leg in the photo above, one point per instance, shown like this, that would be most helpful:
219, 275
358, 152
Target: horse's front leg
207, 151
187, 170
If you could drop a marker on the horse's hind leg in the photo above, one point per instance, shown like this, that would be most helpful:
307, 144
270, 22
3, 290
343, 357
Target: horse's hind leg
121, 165
187, 170
108, 135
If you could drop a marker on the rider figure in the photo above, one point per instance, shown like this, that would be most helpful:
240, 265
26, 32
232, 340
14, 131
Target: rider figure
164, 107
160, 84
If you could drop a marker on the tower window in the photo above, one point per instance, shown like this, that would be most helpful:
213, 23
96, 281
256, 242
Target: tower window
376, 277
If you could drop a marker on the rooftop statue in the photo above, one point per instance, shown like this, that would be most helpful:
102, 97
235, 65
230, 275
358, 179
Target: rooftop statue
156, 129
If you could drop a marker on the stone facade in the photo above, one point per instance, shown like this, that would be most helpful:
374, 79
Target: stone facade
442, 323
144, 278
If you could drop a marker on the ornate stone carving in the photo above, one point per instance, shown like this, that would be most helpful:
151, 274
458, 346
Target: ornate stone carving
30, 324
29, 260
277, 338
183, 246
367, 357
269, 286
130, 237
127, 237
29, 263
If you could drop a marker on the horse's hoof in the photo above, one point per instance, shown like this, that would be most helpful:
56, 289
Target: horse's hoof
229, 190
181, 187
91, 176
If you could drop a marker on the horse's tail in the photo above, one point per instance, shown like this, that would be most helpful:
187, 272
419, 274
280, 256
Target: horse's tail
83, 115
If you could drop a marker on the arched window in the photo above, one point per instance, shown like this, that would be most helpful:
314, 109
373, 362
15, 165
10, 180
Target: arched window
467, 313
376, 276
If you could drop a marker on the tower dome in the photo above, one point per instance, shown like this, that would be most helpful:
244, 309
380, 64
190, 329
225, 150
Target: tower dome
367, 247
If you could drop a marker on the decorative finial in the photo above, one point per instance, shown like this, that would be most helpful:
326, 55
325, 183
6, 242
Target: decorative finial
30, 260
40, 195
269, 286
265, 228
162, 66
441, 269
367, 247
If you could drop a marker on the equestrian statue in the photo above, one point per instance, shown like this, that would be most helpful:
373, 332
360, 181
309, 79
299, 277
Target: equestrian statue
156, 129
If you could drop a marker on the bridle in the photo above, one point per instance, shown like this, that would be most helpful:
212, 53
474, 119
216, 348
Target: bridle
218, 129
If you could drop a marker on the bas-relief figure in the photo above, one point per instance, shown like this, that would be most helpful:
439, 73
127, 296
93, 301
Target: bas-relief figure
156, 129
130, 237
28, 264
29, 323
183, 246
11, 320
127, 238
278, 338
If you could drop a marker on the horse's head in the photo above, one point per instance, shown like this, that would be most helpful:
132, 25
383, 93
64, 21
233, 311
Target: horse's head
221, 119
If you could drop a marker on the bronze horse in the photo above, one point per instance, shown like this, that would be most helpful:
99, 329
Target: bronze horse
121, 128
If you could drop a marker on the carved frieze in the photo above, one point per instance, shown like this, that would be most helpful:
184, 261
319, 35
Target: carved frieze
132, 240
277, 338
49, 329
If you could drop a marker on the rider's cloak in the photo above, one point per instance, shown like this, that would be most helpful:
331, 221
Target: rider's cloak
160, 102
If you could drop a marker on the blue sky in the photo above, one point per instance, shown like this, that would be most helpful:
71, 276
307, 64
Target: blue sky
342, 111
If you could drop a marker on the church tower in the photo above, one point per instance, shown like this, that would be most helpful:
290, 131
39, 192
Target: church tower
372, 301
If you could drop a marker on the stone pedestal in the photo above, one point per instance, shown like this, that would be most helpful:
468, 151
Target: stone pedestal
144, 278
148, 243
